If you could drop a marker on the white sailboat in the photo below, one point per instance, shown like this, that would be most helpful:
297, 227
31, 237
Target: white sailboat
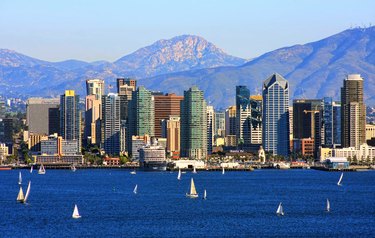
280, 210
75, 212
194, 170
31, 169
20, 196
73, 168
179, 174
42, 170
135, 189
193, 192
27, 193
20, 178
223, 172
328, 206
339, 182
133, 172
205, 195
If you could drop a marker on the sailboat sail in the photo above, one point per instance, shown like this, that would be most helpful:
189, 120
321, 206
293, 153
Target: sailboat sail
27, 192
193, 192
328, 205
19, 178
339, 182
75, 212
223, 172
205, 194
194, 170
280, 210
179, 174
20, 196
42, 170
31, 169
135, 189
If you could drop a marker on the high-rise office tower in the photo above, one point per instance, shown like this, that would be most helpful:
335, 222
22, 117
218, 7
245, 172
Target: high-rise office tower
193, 124
276, 115
141, 114
165, 106
331, 123
41, 115
95, 91
95, 87
111, 124
304, 113
256, 106
353, 113
230, 121
219, 123
243, 115
70, 118
210, 128
171, 131
123, 83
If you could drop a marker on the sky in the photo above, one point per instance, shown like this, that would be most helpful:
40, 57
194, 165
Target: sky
93, 30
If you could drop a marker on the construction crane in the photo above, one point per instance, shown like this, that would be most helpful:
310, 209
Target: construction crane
313, 112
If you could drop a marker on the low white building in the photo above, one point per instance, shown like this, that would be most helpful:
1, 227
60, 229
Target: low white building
365, 151
185, 164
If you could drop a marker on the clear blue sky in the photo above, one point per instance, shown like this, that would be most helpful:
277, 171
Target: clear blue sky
106, 30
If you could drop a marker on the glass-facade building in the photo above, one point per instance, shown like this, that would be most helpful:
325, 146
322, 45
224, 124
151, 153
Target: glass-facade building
276, 115
243, 115
331, 122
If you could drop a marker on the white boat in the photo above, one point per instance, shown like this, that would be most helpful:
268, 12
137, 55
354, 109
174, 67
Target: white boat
75, 212
280, 210
42, 170
205, 195
31, 169
20, 178
328, 206
135, 189
133, 172
223, 172
20, 196
194, 170
27, 192
193, 192
73, 168
340, 180
179, 174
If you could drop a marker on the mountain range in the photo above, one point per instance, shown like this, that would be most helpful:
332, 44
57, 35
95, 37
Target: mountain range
314, 70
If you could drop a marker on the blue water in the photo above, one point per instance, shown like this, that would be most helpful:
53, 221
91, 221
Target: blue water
240, 204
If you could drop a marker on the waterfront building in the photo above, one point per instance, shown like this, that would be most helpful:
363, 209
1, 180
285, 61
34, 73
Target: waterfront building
141, 114
95, 91
165, 106
55, 145
171, 131
353, 113
3, 151
153, 156
41, 115
256, 106
220, 124
276, 115
304, 146
243, 115
70, 117
193, 124
111, 128
331, 123
137, 143
34, 142
370, 131
230, 121
210, 128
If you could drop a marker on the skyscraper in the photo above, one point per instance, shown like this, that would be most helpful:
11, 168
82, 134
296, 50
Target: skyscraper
165, 106
230, 121
331, 123
243, 115
70, 118
305, 111
141, 114
276, 115
171, 131
38, 115
127, 82
219, 123
353, 114
256, 106
193, 124
210, 128
111, 124
95, 87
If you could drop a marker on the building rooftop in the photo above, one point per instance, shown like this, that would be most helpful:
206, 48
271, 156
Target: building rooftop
276, 78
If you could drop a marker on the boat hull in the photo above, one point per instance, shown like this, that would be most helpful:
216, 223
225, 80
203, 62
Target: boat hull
192, 195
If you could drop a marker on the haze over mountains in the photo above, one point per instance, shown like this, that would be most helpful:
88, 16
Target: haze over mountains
314, 70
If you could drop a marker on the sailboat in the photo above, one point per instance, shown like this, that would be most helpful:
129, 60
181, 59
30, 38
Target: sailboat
223, 172
193, 192
133, 172
194, 170
135, 189
21, 198
73, 168
339, 182
205, 195
280, 210
20, 178
42, 170
179, 174
328, 206
31, 169
75, 212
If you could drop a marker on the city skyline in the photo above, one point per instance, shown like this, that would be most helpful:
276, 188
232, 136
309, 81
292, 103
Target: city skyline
75, 30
